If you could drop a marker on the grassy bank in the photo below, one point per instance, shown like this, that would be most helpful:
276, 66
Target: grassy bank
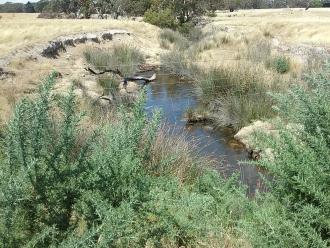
232, 92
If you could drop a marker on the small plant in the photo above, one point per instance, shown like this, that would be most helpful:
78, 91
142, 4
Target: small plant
212, 14
109, 84
281, 64
267, 34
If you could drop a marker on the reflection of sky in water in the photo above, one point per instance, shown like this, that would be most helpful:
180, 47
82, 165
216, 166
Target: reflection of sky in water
173, 98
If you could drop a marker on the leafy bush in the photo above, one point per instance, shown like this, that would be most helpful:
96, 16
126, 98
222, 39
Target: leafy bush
301, 153
122, 57
281, 64
162, 18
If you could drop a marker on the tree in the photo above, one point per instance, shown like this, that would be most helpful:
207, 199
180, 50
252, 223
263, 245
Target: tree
28, 8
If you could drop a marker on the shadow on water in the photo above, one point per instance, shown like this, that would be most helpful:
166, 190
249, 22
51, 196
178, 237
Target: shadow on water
174, 98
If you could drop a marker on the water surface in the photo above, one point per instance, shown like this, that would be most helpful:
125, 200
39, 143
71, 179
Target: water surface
174, 98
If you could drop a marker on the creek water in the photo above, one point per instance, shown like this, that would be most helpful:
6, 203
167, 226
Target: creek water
173, 98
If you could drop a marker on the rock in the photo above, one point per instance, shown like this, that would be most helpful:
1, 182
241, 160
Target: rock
132, 87
245, 134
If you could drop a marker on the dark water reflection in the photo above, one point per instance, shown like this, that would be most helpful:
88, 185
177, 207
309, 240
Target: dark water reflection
173, 98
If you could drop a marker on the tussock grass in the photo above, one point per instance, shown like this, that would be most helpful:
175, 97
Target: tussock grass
173, 155
122, 57
174, 39
259, 50
237, 94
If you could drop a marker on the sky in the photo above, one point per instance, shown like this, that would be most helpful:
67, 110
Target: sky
17, 1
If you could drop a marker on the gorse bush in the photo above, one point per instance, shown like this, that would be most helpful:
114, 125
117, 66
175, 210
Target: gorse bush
301, 157
124, 58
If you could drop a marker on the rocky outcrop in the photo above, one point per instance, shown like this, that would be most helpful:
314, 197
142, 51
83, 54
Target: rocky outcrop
52, 48
4, 74
59, 44
246, 133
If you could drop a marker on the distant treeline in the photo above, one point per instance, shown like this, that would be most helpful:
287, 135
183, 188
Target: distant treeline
29, 7
184, 9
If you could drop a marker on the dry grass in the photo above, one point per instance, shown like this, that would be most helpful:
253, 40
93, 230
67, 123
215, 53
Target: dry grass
290, 25
173, 155
21, 30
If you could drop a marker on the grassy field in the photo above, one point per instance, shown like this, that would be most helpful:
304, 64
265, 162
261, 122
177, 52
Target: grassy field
295, 25
290, 25
21, 30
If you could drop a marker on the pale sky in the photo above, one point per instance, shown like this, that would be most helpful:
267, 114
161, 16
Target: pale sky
17, 1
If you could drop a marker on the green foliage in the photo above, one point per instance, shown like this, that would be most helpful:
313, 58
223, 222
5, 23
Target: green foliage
163, 18
281, 64
301, 153
40, 179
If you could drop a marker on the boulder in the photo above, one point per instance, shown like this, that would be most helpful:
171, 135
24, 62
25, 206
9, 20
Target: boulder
131, 87
245, 134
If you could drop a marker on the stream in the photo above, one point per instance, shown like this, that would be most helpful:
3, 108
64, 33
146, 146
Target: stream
173, 98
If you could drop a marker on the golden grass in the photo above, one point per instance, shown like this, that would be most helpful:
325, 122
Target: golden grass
289, 25
21, 30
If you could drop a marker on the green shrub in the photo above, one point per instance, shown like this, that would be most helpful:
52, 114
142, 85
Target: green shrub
301, 157
162, 18
281, 64
61, 186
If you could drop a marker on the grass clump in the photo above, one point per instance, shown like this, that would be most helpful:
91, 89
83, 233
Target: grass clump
236, 95
109, 84
124, 58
